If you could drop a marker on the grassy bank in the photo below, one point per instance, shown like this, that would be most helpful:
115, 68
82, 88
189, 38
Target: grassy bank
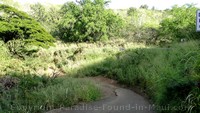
33, 94
62, 59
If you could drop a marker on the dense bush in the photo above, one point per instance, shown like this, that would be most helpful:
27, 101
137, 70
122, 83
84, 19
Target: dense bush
88, 20
18, 25
180, 24
174, 25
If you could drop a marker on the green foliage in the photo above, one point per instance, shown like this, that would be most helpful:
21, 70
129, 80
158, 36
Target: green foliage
38, 12
131, 11
39, 94
193, 101
47, 16
88, 21
142, 25
19, 49
145, 6
18, 25
167, 75
180, 24
10, 3
140, 34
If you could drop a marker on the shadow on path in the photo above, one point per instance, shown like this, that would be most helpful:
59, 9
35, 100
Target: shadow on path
115, 100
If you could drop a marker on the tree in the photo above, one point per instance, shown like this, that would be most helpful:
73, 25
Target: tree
38, 12
47, 17
18, 25
144, 6
10, 3
180, 24
88, 20
153, 8
131, 11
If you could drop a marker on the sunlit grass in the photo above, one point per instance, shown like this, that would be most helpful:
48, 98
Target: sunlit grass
67, 57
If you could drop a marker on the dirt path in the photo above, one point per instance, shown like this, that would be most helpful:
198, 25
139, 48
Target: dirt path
115, 100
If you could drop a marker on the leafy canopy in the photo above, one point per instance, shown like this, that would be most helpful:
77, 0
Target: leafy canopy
15, 24
88, 20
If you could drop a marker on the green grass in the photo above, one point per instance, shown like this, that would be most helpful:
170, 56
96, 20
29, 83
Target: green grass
33, 94
64, 58
167, 75
36, 91
170, 76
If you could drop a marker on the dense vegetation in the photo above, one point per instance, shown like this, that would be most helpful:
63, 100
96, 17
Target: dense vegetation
180, 24
31, 93
156, 51
167, 75
18, 25
87, 21
47, 16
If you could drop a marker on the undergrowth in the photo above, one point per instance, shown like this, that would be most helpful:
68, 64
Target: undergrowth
34, 94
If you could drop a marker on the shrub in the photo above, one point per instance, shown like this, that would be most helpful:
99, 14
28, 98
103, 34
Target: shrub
20, 49
88, 20
18, 25
180, 24
4, 53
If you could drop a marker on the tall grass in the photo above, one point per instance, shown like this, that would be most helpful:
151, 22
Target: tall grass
63, 58
167, 75
33, 87
33, 94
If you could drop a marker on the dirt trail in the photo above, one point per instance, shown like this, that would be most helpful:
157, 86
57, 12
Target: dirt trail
115, 100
